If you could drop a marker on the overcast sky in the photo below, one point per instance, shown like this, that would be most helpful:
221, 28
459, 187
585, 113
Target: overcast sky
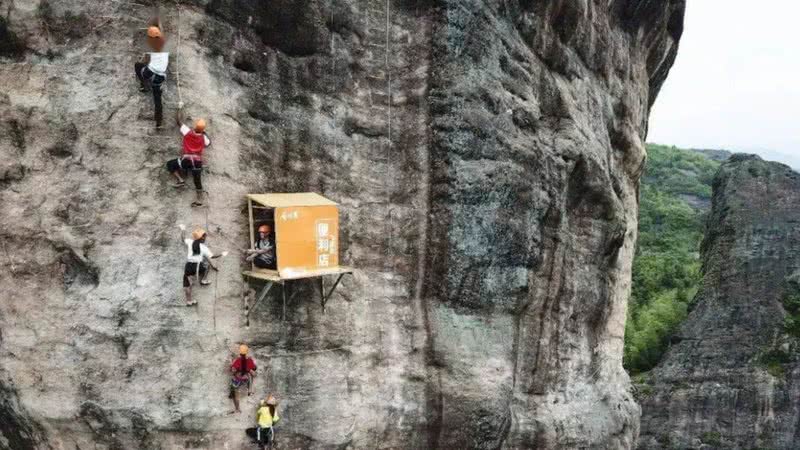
736, 82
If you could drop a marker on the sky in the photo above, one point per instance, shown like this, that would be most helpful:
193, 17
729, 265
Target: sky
735, 84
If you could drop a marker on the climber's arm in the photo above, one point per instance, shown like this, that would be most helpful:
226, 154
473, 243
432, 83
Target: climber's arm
211, 263
155, 21
212, 256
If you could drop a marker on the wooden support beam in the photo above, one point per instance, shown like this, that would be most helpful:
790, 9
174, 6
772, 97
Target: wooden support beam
322, 293
252, 231
333, 288
292, 292
262, 294
283, 289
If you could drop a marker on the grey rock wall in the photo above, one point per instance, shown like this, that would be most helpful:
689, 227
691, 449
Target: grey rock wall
486, 156
731, 378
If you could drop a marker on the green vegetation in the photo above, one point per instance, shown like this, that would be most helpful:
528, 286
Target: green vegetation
675, 193
773, 360
791, 303
642, 387
712, 438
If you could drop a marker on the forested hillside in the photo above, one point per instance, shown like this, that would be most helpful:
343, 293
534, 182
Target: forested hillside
730, 377
675, 197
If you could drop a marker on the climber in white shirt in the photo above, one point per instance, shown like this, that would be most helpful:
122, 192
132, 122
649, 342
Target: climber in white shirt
198, 258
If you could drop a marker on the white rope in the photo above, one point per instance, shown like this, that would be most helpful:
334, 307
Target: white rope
388, 77
310, 352
387, 68
332, 76
8, 255
141, 136
130, 3
177, 53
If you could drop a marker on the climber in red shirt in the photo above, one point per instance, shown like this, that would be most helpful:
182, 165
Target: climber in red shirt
195, 140
243, 370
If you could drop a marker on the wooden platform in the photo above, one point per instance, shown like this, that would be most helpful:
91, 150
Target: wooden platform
280, 277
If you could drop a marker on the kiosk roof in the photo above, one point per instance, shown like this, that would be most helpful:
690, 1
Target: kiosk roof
295, 199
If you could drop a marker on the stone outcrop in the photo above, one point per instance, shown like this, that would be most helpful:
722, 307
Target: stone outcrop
732, 377
486, 157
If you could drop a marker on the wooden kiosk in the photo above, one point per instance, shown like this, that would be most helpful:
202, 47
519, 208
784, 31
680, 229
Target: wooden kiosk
305, 230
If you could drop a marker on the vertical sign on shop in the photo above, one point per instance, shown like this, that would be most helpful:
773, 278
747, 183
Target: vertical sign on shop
326, 242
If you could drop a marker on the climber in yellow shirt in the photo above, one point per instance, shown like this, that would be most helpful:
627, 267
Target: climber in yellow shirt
266, 416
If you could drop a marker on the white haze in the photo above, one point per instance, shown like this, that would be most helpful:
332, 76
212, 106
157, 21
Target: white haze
735, 84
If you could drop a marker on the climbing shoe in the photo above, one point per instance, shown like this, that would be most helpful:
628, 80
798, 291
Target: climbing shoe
196, 204
204, 282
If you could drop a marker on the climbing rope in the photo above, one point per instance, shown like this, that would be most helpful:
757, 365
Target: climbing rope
11, 261
310, 352
177, 53
387, 68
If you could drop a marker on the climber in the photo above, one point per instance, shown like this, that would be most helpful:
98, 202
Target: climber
152, 69
198, 259
263, 253
243, 369
195, 141
266, 417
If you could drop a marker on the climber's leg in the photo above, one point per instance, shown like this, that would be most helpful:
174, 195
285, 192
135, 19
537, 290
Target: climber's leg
197, 173
188, 273
138, 67
174, 167
204, 274
159, 113
234, 395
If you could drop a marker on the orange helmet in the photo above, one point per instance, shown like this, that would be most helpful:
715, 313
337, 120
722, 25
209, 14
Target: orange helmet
243, 349
264, 229
153, 32
200, 125
198, 233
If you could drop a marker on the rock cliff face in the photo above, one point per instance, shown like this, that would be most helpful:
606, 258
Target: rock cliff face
732, 377
486, 156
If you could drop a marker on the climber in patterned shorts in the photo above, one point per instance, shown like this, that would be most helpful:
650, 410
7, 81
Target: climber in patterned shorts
195, 141
243, 371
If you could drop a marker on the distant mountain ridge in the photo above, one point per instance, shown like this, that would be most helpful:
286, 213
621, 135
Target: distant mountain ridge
715, 154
